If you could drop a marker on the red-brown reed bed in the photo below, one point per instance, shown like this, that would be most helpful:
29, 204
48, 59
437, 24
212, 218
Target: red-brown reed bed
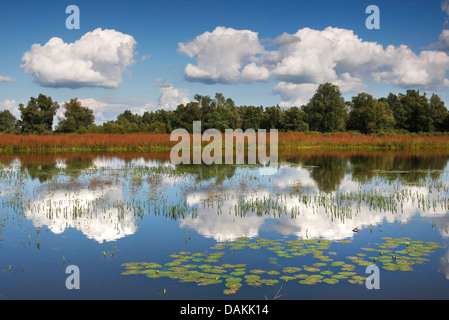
138, 142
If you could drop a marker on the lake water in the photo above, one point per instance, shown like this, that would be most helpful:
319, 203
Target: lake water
138, 227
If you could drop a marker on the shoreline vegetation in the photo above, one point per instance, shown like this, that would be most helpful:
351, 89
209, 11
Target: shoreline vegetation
399, 122
160, 142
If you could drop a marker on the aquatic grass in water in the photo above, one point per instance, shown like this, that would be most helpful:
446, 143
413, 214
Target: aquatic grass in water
298, 200
405, 254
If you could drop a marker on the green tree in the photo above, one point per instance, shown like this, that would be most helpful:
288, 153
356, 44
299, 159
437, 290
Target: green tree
37, 116
251, 117
273, 118
417, 110
7, 122
368, 115
326, 110
127, 117
76, 118
165, 117
294, 120
112, 127
400, 114
184, 115
438, 113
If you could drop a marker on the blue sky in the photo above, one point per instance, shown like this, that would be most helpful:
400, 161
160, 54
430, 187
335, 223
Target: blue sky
256, 52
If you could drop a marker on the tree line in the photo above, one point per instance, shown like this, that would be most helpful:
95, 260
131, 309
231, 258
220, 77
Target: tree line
326, 111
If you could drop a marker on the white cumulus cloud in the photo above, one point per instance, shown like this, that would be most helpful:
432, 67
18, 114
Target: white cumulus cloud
11, 106
108, 108
170, 96
299, 62
97, 59
339, 56
293, 94
220, 55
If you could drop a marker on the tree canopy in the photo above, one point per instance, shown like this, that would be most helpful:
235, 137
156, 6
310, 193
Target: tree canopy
326, 111
8, 122
368, 115
37, 116
76, 118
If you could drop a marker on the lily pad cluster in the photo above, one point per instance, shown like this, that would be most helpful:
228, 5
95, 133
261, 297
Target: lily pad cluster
397, 254
288, 265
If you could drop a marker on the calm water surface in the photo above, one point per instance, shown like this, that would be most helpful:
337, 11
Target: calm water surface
272, 231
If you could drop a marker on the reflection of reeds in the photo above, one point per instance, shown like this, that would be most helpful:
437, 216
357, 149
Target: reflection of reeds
392, 193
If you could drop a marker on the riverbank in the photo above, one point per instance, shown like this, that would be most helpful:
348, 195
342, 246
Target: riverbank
142, 142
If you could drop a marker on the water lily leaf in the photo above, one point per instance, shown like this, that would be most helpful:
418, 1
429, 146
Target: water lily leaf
269, 282
233, 285
217, 270
205, 282
233, 279
284, 255
331, 280
390, 267
273, 272
257, 271
347, 273
339, 276
319, 264
405, 268
130, 271
254, 283
148, 271
153, 265
291, 269
298, 253
132, 265
198, 254
219, 246
311, 269
287, 278
416, 254
251, 277
364, 263
230, 291
154, 275
309, 281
